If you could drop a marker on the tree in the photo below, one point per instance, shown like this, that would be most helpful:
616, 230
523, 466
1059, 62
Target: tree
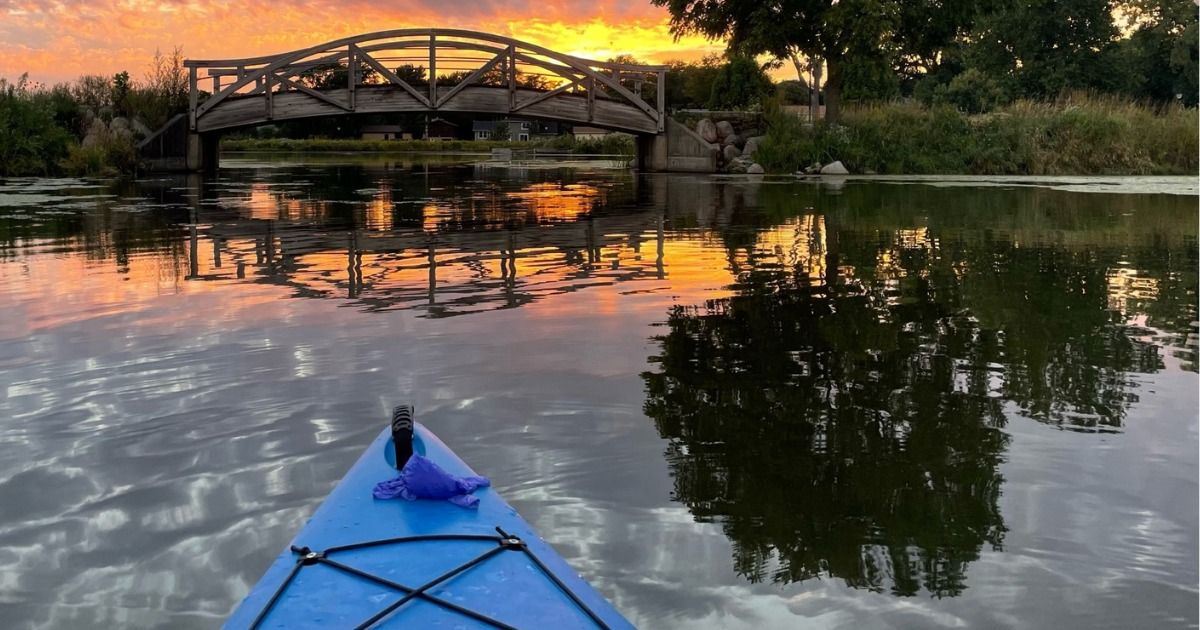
793, 92
93, 93
121, 88
836, 32
689, 85
1041, 48
972, 92
30, 142
740, 83
411, 74
500, 131
1162, 54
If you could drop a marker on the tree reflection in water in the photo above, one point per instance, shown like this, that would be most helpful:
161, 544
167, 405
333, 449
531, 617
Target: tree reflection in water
841, 413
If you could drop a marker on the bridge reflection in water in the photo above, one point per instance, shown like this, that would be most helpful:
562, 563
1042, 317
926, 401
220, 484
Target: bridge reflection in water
449, 253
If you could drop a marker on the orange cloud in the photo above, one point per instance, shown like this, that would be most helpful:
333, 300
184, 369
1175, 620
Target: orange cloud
63, 39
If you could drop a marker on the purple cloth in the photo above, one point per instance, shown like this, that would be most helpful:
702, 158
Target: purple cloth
422, 479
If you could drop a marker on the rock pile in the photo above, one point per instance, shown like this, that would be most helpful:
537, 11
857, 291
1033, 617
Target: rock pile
737, 146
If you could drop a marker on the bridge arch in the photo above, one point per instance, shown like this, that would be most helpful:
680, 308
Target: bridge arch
426, 71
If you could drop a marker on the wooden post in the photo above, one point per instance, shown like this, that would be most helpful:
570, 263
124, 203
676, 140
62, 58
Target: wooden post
591, 88
352, 72
193, 98
512, 77
433, 71
662, 101
269, 92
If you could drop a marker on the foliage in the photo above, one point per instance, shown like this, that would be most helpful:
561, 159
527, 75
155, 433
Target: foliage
1042, 48
793, 92
1161, 55
690, 85
1074, 136
108, 148
740, 84
840, 414
90, 126
30, 141
164, 91
972, 92
500, 131
860, 31
334, 76
412, 75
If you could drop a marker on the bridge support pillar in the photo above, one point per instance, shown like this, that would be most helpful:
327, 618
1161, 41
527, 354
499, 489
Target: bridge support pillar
202, 152
677, 150
652, 153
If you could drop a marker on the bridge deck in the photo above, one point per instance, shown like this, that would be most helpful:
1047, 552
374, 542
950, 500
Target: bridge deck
369, 99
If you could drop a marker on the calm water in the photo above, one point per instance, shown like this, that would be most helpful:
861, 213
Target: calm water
728, 404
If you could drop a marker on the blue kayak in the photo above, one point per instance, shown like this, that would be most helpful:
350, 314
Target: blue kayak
367, 563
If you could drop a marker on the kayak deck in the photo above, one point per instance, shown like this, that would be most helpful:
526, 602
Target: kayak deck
362, 562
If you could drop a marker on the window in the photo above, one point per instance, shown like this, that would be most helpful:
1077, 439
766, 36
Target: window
525, 126
524, 137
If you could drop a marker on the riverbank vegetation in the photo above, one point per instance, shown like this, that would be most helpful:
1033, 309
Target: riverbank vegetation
90, 126
972, 54
960, 86
1080, 135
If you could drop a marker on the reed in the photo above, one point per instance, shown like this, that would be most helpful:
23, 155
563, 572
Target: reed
1079, 134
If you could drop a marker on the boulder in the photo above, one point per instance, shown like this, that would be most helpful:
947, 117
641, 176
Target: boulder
812, 169
724, 129
751, 145
834, 168
738, 165
731, 153
733, 140
707, 130
755, 169
140, 129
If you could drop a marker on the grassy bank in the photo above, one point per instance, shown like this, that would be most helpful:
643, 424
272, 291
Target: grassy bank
1078, 136
607, 146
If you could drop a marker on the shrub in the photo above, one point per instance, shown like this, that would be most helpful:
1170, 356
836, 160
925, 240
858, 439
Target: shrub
971, 91
1080, 135
30, 141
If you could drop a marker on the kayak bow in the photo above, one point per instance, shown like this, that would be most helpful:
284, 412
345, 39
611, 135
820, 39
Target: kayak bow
365, 563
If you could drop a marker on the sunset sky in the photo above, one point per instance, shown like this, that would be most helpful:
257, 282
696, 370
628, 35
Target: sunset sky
59, 40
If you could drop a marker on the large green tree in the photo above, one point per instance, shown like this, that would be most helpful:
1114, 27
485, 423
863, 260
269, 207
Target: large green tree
838, 32
1162, 53
1041, 48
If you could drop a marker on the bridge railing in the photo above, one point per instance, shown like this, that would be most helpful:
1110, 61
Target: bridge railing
434, 67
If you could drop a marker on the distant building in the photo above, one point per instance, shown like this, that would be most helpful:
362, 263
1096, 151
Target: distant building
589, 133
519, 130
384, 132
441, 129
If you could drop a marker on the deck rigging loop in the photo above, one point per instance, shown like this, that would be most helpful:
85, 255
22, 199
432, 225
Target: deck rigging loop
504, 542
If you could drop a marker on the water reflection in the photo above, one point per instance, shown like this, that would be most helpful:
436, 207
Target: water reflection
979, 395
840, 414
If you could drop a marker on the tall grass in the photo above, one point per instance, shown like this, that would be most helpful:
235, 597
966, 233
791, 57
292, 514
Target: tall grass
1080, 135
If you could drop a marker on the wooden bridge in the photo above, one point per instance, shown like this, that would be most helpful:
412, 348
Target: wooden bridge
429, 71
